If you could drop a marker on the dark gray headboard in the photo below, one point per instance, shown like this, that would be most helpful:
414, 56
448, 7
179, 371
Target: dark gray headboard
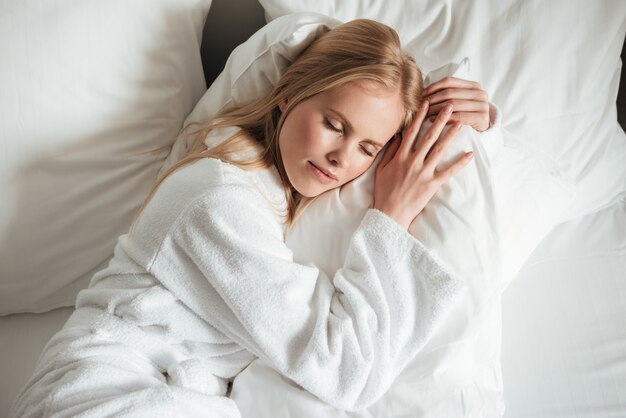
621, 96
231, 22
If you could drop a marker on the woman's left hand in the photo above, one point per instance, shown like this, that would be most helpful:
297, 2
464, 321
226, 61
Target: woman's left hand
470, 101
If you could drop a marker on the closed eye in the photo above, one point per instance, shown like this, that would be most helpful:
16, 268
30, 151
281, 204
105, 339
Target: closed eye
339, 130
332, 127
366, 151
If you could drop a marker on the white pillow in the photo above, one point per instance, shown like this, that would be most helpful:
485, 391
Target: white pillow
484, 223
93, 95
553, 71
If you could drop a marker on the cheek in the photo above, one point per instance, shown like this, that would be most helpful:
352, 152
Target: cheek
359, 166
297, 135
312, 135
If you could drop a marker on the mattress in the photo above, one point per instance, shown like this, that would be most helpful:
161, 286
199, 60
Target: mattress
562, 344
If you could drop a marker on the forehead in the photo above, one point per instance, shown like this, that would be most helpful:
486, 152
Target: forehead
374, 111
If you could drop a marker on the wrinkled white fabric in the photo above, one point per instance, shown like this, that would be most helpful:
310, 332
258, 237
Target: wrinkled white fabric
204, 283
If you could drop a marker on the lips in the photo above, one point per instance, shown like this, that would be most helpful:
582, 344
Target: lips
323, 175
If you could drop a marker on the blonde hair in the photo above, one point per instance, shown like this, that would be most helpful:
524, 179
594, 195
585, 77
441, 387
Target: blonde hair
359, 50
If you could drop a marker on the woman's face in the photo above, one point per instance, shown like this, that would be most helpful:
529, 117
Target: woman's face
333, 137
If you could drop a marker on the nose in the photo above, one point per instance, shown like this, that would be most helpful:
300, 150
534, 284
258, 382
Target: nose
339, 156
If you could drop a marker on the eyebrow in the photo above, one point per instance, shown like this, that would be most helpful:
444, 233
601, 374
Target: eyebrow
347, 123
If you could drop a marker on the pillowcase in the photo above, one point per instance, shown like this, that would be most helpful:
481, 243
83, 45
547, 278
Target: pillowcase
93, 95
553, 70
485, 223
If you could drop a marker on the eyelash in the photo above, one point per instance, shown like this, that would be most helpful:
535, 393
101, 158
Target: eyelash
366, 151
332, 127
340, 131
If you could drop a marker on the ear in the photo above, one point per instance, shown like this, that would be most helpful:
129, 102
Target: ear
282, 105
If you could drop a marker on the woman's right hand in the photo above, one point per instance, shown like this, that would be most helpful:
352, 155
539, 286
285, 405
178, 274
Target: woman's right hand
406, 177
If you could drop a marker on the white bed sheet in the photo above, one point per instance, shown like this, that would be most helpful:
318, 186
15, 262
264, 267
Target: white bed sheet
564, 323
22, 338
561, 316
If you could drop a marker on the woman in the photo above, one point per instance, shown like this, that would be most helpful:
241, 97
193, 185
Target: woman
203, 283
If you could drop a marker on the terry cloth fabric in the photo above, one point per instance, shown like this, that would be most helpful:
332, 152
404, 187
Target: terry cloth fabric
204, 283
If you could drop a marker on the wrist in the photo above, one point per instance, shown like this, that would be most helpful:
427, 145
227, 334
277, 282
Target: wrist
396, 216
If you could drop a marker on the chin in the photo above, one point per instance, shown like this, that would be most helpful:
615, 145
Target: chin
310, 193
309, 190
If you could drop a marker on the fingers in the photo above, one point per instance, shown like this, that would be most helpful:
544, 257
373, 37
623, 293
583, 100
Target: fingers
450, 82
440, 147
453, 169
431, 136
390, 152
409, 134
458, 94
459, 106
477, 120
470, 101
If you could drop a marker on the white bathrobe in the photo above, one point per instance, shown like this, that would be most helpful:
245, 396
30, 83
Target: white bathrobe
204, 283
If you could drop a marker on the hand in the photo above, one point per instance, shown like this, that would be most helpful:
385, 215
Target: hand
406, 177
470, 101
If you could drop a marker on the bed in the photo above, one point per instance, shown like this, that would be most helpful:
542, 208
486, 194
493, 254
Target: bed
75, 87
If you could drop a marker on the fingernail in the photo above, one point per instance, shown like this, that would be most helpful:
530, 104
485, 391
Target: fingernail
469, 154
448, 108
425, 104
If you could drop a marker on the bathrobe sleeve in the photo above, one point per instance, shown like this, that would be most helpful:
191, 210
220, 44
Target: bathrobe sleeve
343, 338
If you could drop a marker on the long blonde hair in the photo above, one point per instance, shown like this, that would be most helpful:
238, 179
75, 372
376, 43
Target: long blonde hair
361, 49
